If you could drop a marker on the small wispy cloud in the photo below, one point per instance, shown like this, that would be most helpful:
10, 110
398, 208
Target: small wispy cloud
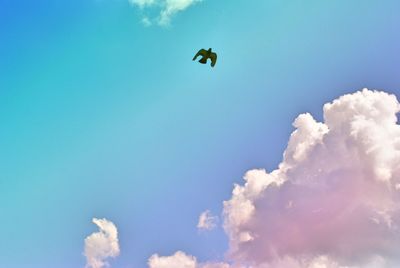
143, 3
146, 21
207, 221
166, 9
101, 245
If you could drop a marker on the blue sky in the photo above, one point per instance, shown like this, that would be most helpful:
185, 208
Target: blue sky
101, 116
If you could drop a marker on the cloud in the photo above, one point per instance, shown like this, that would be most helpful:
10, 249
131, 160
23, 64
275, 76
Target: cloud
334, 200
143, 3
214, 265
319, 262
207, 221
178, 260
166, 9
181, 260
146, 21
101, 245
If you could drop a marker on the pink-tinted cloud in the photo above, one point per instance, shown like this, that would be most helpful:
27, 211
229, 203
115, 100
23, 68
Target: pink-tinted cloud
207, 221
335, 193
101, 245
333, 201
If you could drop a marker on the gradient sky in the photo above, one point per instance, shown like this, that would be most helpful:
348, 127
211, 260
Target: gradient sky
101, 116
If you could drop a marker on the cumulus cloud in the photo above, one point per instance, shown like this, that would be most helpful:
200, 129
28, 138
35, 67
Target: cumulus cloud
207, 221
334, 199
101, 245
180, 260
166, 9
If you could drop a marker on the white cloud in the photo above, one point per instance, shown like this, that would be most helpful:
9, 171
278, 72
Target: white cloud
207, 221
178, 260
143, 3
167, 9
146, 21
181, 260
101, 245
333, 201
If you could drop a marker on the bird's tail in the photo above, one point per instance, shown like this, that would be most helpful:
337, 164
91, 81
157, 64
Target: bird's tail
203, 60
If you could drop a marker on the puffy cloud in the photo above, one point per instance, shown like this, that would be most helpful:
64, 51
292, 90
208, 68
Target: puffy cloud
334, 199
178, 260
167, 9
181, 260
101, 245
207, 221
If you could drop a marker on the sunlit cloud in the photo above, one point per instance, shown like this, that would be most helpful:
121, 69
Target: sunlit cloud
166, 9
181, 260
333, 201
101, 245
178, 260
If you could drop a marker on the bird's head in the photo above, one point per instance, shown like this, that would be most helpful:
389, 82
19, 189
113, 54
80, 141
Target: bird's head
209, 50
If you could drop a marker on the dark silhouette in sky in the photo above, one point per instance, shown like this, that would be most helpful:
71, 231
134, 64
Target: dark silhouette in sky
206, 54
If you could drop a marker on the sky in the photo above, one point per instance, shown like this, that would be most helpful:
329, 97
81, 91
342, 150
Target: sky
104, 115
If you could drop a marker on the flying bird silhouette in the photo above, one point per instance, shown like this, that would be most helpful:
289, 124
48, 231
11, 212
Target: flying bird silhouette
206, 54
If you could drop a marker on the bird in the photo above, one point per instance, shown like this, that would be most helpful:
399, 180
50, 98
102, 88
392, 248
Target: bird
206, 54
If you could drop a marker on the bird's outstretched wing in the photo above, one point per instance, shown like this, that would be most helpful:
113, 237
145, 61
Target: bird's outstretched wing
213, 57
201, 52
